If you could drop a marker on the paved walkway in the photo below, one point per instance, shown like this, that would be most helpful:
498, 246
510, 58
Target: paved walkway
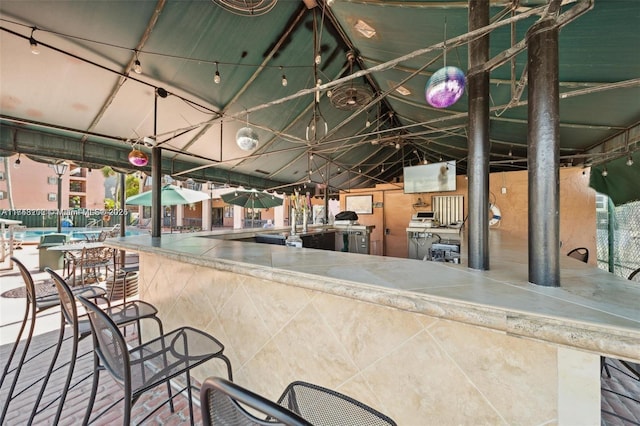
620, 394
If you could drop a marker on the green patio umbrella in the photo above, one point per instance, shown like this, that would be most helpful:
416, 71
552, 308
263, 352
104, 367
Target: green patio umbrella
252, 198
170, 195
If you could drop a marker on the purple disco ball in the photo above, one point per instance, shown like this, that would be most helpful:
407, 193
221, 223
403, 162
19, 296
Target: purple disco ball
445, 87
138, 158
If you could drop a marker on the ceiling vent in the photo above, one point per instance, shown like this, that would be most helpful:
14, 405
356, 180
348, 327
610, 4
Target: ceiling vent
247, 7
350, 95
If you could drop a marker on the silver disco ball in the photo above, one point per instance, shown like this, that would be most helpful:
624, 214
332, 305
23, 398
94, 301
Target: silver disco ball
247, 139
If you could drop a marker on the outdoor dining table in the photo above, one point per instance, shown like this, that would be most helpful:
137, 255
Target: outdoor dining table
91, 235
76, 247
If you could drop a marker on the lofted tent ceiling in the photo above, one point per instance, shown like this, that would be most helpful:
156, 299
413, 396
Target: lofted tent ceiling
79, 99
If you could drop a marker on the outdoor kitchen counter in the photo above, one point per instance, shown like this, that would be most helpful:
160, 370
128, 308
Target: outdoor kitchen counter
592, 310
416, 340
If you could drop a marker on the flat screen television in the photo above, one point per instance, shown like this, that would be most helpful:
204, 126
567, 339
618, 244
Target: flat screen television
435, 177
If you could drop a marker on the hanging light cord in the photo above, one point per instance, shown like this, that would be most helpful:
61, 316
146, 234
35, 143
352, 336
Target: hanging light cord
444, 43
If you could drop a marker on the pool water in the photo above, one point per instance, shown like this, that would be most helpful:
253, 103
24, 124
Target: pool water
32, 235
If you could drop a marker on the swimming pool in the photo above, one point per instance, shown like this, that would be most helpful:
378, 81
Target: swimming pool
32, 235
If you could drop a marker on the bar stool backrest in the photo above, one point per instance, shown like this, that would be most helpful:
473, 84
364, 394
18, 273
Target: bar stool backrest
580, 253
109, 344
28, 281
67, 301
220, 402
324, 407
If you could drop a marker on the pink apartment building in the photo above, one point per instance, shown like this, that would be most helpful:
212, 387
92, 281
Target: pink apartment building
34, 185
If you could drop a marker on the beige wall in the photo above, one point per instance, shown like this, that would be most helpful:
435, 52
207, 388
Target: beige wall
577, 209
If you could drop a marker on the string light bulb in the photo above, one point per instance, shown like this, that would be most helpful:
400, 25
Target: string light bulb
16, 164
216, 77
284, 78
605, 172
629, 161
33, 43
137, 67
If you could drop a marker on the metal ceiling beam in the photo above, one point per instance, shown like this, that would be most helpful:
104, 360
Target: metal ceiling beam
575, 12
123, 78
616, 146
453, 42
14, 139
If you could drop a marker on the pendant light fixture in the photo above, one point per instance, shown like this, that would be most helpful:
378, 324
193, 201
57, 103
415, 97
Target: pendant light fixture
33, 43
247, 138
137, 67
446, 85
216, 77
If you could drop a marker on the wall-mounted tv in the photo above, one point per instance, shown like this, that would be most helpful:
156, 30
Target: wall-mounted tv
435, 177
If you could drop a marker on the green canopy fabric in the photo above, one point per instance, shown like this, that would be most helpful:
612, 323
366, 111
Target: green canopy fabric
621, 183
170, 195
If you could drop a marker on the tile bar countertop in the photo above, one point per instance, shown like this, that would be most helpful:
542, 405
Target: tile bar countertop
593, 310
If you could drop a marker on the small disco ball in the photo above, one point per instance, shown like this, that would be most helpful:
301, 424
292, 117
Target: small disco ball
445, 87
138, 158
247, 139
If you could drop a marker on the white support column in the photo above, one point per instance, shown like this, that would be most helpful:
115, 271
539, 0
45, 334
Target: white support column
237, 217
206, 215
179, 215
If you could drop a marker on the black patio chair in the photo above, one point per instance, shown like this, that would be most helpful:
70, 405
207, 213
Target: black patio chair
123, 314
34, 305
325, 407
222, 403
148, 365
580, 253
635, 275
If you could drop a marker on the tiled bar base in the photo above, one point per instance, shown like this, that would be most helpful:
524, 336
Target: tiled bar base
416, 368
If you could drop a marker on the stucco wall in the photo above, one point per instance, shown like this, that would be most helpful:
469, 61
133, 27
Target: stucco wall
415, 368
577, 209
